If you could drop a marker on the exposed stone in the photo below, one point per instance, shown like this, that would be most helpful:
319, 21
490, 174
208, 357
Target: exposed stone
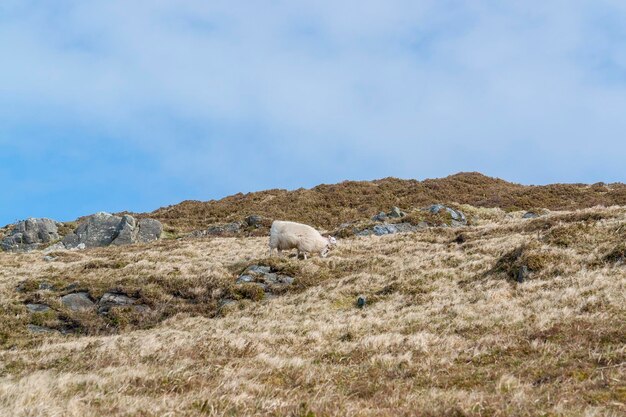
33, 328
530, 215
104, 229
30, 234
384, 229
49, 258
78, 301
264, 277
254, 221
149, 230
458, 218
53, 248
396, 212
37, 308
380, 217
522, 274
361, 301
114, 299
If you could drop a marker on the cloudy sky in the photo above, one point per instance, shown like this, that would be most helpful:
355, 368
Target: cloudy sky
131, 105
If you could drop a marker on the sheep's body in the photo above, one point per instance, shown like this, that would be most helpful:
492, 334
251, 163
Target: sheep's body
291, 235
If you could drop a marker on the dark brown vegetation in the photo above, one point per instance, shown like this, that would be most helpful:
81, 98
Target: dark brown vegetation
328, 206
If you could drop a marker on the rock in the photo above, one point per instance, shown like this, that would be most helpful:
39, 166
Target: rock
33, 328
380, 217
396, 212
384, 229
78, 301
125, 231
530, 215
254, 221
48, 258
45, 285
522, 274
219, 230
458, 218
104, 229
30, 234
264, 277
149, 230
37, 308
422, 225
114, 299
361, 301
53, 248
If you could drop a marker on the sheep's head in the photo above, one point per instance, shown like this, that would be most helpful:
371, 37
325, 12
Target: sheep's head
331, 243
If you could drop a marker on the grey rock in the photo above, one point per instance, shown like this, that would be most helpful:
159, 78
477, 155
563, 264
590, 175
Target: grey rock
37, 308
254, 220
244, 278
384, 229
30, 234
104, 229
54, 248
45, 285
114, 299
149, 230
380, 217
396, 212
78, 301
48, 258
221, 229
422, 225
33, 328
530, 215
458, 217
263, 276
522, 274
126, 231
361, 301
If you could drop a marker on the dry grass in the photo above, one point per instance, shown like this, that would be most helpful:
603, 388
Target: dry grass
446, 330
328, 206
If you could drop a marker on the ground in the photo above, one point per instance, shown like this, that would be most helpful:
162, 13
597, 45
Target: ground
447, 329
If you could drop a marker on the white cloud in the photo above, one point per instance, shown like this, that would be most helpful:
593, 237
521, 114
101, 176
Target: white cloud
356, 89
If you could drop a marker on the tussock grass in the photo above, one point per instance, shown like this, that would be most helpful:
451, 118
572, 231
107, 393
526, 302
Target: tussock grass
445, 331
328, 206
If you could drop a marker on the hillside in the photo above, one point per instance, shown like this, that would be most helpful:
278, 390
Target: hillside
506, 317
327, 206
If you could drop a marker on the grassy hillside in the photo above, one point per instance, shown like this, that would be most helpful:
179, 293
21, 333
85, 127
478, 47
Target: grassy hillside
327, 206
447, 329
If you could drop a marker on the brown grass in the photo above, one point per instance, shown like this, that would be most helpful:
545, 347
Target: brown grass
445, 331
328, 206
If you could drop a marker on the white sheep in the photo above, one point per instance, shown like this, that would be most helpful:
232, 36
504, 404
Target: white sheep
289, 235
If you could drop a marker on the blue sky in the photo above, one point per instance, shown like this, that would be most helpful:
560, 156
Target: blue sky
117, 105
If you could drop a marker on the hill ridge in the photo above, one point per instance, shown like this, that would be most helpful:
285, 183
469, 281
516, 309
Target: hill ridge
328, 205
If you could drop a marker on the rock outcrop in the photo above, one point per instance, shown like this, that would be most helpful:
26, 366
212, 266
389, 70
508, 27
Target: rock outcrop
30, 234
104, 229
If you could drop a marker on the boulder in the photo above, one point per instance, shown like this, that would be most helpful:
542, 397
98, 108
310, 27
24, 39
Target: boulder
458, 218
37, 308
264, 277
30, 234
254, 221
380, 217
78, 301
104, 229
110, 300
396, 212
149, 230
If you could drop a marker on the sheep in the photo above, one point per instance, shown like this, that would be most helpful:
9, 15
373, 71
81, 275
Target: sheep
289, 235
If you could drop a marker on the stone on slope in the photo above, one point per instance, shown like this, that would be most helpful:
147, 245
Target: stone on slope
30, 234
104, 229
78, 301
458, 218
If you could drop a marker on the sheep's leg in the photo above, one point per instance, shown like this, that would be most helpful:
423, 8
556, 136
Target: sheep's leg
304, 255
297, 253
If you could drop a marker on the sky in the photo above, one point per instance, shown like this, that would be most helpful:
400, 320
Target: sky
133, 105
